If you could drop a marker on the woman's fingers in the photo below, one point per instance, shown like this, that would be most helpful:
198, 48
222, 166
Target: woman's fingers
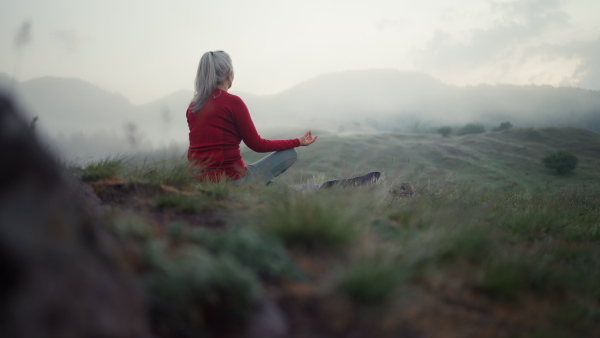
308, 138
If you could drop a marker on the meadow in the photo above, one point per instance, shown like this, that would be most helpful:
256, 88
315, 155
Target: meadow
487, 243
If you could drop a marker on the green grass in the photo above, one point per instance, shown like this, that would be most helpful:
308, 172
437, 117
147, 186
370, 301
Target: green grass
371, 280
190, 204
320, 220
487, 220
109, 167
194, 293
499, 160
175, 172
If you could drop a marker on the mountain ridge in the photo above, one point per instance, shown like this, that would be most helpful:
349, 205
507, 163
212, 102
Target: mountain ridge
391, 99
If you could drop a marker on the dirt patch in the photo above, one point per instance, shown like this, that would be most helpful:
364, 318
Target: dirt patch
139, 199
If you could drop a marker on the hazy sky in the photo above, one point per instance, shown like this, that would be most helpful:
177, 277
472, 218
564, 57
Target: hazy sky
148, 49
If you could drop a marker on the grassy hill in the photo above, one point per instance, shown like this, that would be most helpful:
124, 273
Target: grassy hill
499, 160
489, 243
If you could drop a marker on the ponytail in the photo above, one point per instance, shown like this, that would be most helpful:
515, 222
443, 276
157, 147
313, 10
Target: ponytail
213, 70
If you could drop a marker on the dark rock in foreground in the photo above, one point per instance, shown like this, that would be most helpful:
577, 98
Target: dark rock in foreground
62, 272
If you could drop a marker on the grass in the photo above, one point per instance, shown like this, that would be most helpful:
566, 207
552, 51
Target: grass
195, 293
110, 167
371, 280
499, 160
477, 226
190, 204
175, 172
321, 220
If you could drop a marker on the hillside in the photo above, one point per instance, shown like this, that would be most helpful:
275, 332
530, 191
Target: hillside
73, 105
486, 242
380, 100
508, 159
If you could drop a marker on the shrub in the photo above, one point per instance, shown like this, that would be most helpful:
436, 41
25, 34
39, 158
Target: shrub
562, 161
265, 255
444, 131
312, 221
471, 128
503, 126
193, 294
507, 277
370, 280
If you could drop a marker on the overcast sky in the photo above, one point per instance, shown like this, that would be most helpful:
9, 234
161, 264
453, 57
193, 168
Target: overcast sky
146, 49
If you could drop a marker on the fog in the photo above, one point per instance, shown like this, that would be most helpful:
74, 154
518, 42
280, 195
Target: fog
115, 76
81, 121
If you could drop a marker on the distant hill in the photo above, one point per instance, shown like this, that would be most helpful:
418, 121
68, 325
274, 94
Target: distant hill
69, 105
396, 99
366, 100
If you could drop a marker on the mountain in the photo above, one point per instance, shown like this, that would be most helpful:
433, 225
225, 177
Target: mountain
394, 98
365, 100
69, 105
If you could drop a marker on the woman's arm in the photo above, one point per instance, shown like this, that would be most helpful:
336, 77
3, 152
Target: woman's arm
250, 136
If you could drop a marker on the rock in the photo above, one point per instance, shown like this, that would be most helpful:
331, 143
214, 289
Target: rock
62, 272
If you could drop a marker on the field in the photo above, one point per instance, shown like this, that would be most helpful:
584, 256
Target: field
487, 243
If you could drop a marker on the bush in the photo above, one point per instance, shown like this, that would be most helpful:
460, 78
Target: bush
444, 131
471, 128
195, 294
313, 221
562, 161
370, 280
503, 126
265, 255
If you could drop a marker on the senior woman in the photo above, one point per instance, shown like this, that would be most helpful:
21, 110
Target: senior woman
219, 121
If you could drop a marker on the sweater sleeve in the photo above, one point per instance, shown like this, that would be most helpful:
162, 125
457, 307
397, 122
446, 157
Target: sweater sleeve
250, 136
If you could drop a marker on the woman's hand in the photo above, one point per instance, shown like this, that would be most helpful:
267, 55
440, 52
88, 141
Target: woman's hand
307, 138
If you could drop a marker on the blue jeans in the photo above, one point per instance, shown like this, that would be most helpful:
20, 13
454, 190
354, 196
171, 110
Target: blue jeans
269, 167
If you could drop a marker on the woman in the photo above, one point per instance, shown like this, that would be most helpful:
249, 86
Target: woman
219, 121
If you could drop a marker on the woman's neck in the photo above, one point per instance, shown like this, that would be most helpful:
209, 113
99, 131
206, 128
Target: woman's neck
223, 88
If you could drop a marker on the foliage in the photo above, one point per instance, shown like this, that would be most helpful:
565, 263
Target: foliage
463, 231
506, 277
562, 161
194, 293
263, 254
175, 172
317, 221
471, 128
445, 131
109, 167
503, 126
370, 280
183, 202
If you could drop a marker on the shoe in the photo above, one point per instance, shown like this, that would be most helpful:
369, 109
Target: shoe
371, 177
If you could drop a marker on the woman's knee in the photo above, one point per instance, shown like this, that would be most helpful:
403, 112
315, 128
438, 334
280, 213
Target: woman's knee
290, 153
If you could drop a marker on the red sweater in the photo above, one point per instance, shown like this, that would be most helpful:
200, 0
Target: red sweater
215, 135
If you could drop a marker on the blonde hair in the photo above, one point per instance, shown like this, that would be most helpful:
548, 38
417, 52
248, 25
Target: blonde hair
213, 70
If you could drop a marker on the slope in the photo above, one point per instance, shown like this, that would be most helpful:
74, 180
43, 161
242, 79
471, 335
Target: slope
494, 159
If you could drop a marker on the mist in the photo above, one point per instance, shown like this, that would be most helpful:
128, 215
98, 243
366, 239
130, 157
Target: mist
81, 121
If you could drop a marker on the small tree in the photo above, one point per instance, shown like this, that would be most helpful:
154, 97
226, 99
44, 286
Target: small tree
445, 131
563, 161
503, 126
471, 128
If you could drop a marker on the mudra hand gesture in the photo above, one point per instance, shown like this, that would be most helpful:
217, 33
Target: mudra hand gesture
307, 138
